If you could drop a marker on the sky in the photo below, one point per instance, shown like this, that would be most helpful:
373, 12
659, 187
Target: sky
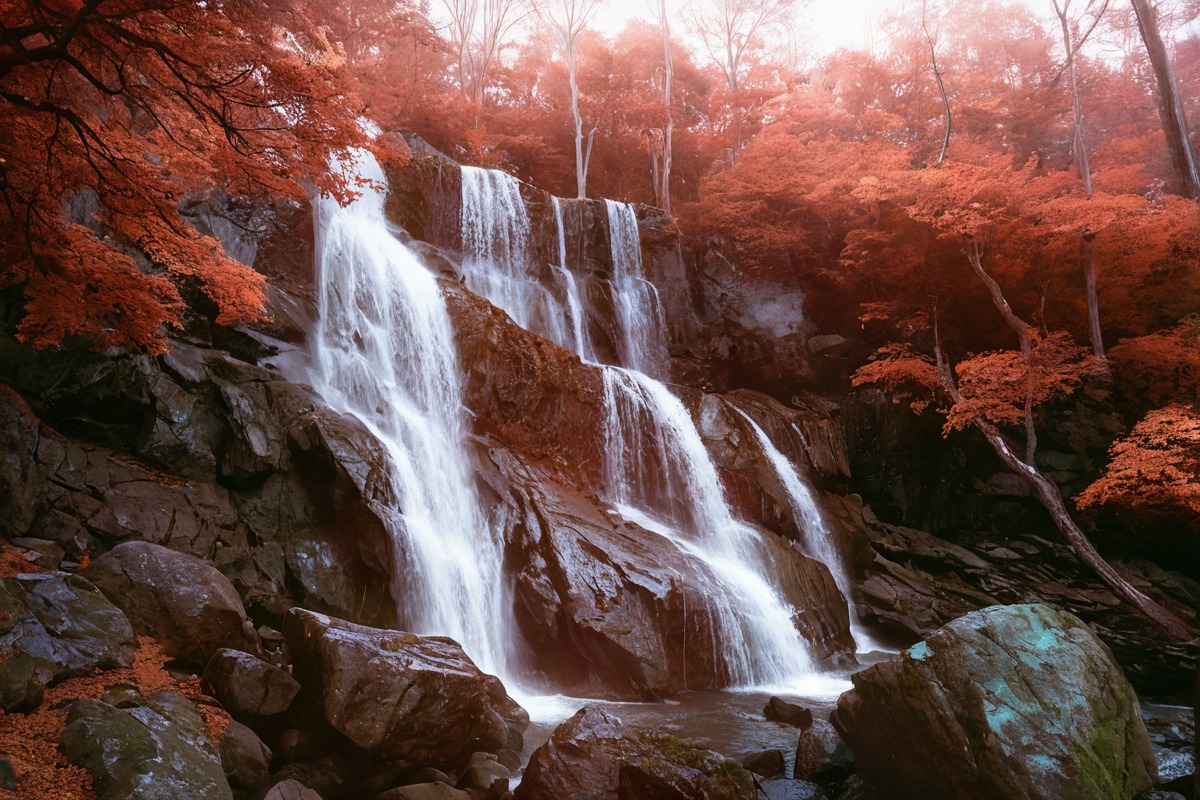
827, 24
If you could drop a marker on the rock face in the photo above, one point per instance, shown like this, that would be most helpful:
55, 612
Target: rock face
184, 603
592, 756
54, 626
156, 750
1011, 701
399, 696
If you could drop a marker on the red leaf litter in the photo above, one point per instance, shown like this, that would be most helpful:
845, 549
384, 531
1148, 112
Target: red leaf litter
30, 741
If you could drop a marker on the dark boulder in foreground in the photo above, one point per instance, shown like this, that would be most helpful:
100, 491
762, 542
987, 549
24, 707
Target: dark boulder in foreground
54, 626
399, 696
185, 603
1008, 702
592, 756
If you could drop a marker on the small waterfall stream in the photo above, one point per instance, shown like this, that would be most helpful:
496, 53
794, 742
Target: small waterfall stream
384, 352
818, 541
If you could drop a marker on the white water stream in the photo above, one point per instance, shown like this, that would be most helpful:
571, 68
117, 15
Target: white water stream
384, 352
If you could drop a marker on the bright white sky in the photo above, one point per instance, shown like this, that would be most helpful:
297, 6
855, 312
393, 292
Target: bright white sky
825, 24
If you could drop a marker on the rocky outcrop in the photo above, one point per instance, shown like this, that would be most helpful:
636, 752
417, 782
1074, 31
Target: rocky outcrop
415, 699
54, 626
186, 604
206, 453
612, 609
592, 756
920, 582
1011, 701
155, 749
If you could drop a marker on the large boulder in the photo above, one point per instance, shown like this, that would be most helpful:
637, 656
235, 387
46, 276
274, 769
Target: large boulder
592, 756
1008, 702
153, 750
399, 696
249, 686
54, 626
183, 602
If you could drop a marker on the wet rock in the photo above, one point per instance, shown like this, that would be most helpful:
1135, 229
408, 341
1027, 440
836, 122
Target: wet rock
792, 790
42, 553
248, 686
291, 789
424, 791
8, 778
400, 696
244, 757
821, 753
768, 763
154, 751
485, 773
592, 756
613, 610
1011, 701
779, 710
186, 604
54, 626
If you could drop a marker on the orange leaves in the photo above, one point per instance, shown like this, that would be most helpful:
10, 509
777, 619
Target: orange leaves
904, 373
997, 386
1157, 464
135, 105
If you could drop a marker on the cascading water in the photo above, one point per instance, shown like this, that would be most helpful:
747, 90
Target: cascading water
818, 541
662, 478
582, 343
384, 352
635, 299
497, 260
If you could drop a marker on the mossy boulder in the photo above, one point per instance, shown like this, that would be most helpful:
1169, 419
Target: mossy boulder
151, 748
593, 756
1009, 702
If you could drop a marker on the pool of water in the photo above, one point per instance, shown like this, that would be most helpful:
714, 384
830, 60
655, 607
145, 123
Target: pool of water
729, 722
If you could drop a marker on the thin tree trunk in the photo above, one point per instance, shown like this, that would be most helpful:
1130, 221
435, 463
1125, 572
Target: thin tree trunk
1093, 301
1170, 104
1087, 251
1051, 499
580, 169
668, 73
937, 73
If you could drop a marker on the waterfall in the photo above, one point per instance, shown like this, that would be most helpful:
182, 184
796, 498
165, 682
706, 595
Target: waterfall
497, 257
659, 474
817, 541
582, 344
384, 352
662, 477
643, 340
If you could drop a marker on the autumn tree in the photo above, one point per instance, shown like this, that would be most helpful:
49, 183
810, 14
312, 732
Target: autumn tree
1002, 389
113, 110
568, 19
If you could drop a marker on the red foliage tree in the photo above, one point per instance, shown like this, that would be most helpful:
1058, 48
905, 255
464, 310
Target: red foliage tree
121, 107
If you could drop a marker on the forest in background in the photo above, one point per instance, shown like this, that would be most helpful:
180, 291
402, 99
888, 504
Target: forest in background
998, 211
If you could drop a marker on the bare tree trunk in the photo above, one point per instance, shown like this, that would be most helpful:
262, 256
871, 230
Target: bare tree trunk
937, 73
580, 167
1051, 499
1047, 492
1093, 301
664, 188
1170, 104
1087, 251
